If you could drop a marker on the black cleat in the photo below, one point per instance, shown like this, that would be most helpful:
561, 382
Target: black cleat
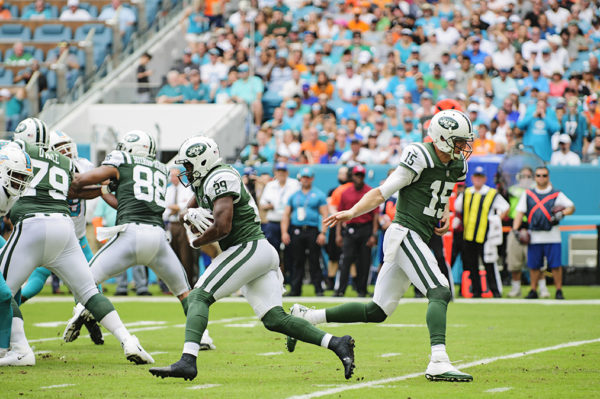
184, 368
94, 330
532, 295
344, 349
559, 294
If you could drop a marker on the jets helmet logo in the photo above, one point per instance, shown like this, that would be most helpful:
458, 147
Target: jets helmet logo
132, 138
196, 150
21, 128
448, 123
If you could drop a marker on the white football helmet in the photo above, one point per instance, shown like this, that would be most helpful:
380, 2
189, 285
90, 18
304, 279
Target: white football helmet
198, 155
16, 171
451, 130
33, 131
138, 143
63, 143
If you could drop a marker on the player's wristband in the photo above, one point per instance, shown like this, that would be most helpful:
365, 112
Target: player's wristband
104, 190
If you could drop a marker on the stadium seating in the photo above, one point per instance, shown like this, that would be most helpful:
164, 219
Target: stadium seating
103, 39
53, 9
14, 32
52, 33
93, 10
37, 53
6, 77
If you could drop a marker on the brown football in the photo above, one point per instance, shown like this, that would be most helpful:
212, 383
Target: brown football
524, 237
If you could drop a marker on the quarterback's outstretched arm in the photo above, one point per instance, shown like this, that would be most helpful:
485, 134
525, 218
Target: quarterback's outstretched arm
94, 176
400, 178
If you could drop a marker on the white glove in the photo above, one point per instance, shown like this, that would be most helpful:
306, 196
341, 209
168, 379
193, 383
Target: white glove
200, 218
191, 236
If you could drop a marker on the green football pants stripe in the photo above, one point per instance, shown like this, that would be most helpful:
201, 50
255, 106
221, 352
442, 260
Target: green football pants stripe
223, 264
108, 244
235, 266
414, 263
423, 261
10, 247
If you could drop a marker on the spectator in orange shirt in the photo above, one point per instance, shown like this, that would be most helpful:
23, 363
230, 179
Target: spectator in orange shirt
214, 11
593, 113
356, 24
4, 11
323, 85
312, 146
483, 145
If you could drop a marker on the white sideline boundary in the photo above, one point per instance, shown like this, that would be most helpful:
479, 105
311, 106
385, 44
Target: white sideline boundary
309, 299
370, 384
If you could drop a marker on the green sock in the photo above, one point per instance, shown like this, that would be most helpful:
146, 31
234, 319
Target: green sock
355, 312
197, 315
184, 304
277, 320
99, 306
436, 314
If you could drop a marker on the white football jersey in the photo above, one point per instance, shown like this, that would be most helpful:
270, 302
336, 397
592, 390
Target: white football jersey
77, 206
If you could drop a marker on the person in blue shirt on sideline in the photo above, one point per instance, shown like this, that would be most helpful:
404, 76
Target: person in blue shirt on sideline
539, 127
302, 228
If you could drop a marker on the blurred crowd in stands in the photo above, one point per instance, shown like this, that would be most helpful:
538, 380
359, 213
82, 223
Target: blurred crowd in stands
354, 81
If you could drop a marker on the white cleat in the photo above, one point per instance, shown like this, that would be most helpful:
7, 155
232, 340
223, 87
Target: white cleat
440, 369
304, 313
134, 351
515, 293
3, 352
18, 357
80, 314
206, 343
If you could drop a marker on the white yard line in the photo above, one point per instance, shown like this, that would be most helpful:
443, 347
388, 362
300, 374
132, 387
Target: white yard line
270, 354
390, 354
58, 386
308, 299
488, 360
501, 389
204, 386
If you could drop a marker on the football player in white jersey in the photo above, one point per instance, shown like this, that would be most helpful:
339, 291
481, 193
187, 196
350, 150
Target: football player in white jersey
63, 143
16, 173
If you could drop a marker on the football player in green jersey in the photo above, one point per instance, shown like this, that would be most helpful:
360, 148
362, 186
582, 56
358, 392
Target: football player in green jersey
248, 261
139, 237
44, 234
424, 180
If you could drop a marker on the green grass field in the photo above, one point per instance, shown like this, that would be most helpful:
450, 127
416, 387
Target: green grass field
391, 357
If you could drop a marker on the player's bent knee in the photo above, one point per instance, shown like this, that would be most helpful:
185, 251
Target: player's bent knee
439, 293
274, 319
375, 313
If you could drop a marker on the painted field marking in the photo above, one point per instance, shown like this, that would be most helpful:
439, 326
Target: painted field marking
58, 386
242, 325
158, 353
270, 353
488, 360
205, 386
145, 323
308, 299
501, 389
390, 354
41, 352
50, 324
413, 325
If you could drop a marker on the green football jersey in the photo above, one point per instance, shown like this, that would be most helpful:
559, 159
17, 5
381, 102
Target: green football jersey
141, 190
421, 204
47, 193
224, 181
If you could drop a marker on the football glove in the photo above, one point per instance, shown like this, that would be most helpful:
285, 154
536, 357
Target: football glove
556, 218
191, 236
200, 218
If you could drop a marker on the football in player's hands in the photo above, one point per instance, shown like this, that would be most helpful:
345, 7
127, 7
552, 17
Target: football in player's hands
199, 219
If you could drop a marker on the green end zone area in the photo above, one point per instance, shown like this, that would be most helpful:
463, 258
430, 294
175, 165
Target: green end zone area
252, 362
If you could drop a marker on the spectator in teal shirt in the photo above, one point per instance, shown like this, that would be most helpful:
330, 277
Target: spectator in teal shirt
539, 126
249, 89
40, 11
196, 91
172, 92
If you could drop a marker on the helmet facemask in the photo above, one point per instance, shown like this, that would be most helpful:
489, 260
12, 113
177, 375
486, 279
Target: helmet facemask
462, 145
